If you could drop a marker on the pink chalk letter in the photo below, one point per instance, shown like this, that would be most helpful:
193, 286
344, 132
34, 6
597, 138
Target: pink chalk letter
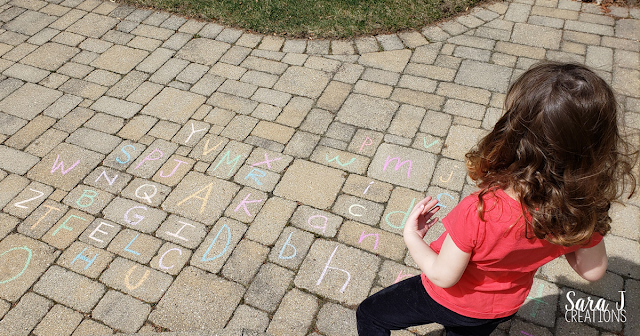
174, 169
398, 164
367, 142
244, 205
363, 236
266, 160
60, 166
149, 158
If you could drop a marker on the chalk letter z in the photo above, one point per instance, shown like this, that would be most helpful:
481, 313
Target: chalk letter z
20, 204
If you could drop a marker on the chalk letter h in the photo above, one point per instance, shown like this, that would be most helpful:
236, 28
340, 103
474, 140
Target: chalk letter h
327, 267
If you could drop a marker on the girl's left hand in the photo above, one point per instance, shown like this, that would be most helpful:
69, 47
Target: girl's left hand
420, 221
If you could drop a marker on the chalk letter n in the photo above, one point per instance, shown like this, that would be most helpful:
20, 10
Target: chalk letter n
327, 267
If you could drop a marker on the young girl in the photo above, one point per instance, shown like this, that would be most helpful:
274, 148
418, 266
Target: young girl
547, 174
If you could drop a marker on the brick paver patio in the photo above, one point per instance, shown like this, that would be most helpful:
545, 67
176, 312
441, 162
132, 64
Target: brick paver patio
165, 174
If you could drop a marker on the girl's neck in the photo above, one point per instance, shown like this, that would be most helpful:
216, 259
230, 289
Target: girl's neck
512, 193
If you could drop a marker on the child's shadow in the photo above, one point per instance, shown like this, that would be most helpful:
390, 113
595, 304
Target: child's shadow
557, 289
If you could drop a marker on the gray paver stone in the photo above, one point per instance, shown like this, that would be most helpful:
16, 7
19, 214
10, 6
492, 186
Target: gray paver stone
15, 161
268, 287
54, 171
79, 292
174, 105
203, 51
378, 112
29, 100
134, 215
402, 160
270, 221
184, 298
310, 183
218, 245
291, 248
338, 272
121, 311
336, 320
303, 82
294, 315
60, 320
25, 315
358, 209
85, 259
136, 280
194, 195
244, 261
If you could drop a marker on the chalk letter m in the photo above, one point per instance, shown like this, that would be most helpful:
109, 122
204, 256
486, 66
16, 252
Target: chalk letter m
60, 166
398, 164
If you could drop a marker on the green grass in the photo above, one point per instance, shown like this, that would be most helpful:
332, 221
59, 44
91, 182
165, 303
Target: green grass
315, 18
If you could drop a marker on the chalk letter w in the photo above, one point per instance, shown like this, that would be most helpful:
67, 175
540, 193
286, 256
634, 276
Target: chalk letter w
60, 166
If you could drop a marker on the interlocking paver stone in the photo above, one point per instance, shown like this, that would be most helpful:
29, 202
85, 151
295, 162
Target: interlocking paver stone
198, 121
310, 183
25, 315
338, 272
205, 311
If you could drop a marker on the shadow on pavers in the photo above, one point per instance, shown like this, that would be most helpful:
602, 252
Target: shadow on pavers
544, 312
223, 332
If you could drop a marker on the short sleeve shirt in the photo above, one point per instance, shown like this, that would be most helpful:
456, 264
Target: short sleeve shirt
503, 261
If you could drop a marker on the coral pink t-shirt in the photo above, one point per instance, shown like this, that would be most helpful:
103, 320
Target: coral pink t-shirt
503, 262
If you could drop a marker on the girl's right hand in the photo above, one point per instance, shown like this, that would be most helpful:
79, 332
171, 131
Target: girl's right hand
420, 219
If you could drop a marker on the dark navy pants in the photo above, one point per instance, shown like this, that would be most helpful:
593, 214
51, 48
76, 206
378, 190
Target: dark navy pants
407, 304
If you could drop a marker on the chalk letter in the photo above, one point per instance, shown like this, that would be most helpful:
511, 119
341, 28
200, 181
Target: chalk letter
150, 158
146, 196
64, 224
367, 142
161, 265
206, 150
225, 158
402, 276
337, 159
126, 248
438, 198
126, 278
20, 204
256, 176
97, 229
138, 218
295, 251
193, 131
204, 199
204, 256
324, 227
60, 166
87, 193
327, 267
106, 177
177, 234
26, 263
174, 169
363, 236
404, 220
43, 216
244, 204
356, 206
266, 160
125, 153
398, 164
83, 258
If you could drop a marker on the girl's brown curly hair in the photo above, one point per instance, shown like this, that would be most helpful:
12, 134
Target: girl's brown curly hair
559, 147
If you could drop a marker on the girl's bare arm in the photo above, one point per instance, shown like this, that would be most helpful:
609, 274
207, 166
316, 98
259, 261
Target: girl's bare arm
444, 269
589, 263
